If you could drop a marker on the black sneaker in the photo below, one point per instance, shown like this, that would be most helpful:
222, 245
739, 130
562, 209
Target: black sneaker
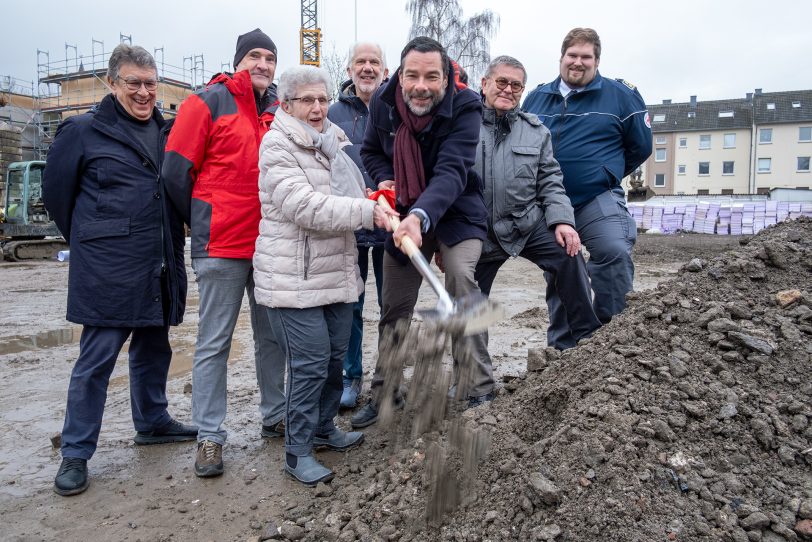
71, 479
474, 402
366, 416
276, 430
174, 431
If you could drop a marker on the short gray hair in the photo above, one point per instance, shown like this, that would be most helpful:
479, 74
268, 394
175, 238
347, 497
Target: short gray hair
129, 54
298, 76
351, 54
505, 60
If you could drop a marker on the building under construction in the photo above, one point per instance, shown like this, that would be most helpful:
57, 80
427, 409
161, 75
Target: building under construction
30, 112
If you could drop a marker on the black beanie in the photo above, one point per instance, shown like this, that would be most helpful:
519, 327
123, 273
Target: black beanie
255, 39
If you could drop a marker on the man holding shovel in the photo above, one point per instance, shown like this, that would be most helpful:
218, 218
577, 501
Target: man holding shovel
421, 139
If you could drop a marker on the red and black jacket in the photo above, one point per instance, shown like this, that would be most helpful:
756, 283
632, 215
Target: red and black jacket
211, 168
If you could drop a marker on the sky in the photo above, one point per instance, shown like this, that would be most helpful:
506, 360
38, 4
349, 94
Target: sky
713, 49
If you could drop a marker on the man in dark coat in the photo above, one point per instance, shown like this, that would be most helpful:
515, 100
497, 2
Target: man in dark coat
367, 70
422, 138
127, 276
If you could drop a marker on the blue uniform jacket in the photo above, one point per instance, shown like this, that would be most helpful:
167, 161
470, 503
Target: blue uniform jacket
453, 196
103, 190
350, 113
600, 135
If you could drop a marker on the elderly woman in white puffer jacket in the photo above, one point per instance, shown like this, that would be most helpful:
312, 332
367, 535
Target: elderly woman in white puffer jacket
305, 263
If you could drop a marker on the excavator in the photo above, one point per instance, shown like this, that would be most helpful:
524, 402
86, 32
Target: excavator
26, 230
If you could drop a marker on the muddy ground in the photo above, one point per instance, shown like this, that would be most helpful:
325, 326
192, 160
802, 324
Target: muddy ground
151, 493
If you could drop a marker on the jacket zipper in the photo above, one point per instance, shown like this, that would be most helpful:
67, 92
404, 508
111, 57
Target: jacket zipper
306, 256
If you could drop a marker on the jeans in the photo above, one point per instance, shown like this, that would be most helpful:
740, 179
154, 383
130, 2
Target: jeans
222, 283
608, 232
353, 366
149, 357
401, 284
314, 341
568, 278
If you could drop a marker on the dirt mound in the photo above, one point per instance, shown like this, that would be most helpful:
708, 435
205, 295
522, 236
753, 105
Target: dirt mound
686, 418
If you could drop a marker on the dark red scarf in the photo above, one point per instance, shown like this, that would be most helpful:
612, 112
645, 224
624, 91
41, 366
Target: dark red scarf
410, 177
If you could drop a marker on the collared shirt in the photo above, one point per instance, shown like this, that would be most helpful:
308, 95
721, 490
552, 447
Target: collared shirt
565, 89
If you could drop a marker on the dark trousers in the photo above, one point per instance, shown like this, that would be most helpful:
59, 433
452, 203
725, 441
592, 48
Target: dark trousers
315, 342
568, 277
608, 232
353, 366
149, 357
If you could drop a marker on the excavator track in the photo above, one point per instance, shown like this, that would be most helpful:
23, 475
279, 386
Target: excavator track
33, 249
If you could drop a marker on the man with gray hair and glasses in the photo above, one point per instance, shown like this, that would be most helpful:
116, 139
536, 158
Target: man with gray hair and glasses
127, 277
530, 215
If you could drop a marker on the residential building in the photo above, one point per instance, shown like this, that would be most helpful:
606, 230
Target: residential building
736, 146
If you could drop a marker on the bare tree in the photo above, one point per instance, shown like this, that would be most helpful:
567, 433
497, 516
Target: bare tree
336, 65
466, 40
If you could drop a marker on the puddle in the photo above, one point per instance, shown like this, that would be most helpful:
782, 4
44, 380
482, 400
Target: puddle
45, 339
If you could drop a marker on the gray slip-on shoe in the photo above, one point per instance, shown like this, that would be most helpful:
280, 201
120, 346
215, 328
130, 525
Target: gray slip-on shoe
339, 440
309, 471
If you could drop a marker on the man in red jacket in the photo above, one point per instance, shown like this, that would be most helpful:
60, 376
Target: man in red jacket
211, 172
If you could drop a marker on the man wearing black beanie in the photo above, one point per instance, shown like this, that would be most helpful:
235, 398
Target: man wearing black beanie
211, 173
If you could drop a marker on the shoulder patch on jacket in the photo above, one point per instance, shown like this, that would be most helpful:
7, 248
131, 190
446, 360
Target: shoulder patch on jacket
628, 84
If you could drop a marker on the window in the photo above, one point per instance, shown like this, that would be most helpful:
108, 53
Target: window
765, 165
703, 192
796, 105
770, 106
704, 168
660, 117
803, 163
660, 140
805, 133
763, 190
691, 114
730, 141
681, 169
683, 143
765, 135
725, 114
727, 168
659, 155
727, 191
705, 141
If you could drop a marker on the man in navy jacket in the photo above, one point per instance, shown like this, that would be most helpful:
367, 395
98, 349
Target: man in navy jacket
422, 118
367, 70
601, 133
127, 277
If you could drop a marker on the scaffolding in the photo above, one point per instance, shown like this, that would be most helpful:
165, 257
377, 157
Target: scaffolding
310, 35
74, 84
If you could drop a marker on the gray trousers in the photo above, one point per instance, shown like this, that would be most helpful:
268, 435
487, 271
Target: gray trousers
608, 232
222, 283
315, 343
401, 284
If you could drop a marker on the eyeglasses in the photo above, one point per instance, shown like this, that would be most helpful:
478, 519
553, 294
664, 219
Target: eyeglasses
133, 83
515, 86
308, 101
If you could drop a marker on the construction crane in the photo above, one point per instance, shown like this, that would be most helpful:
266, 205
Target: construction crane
310, 35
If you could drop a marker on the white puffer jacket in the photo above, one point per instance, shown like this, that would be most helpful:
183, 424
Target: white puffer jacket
306, 252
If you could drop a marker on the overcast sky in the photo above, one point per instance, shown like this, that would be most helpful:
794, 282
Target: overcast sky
713, 49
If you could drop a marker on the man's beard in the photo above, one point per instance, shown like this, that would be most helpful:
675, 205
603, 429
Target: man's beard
423, 110
366, 86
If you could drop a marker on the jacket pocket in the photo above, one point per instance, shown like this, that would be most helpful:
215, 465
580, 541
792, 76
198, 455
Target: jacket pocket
115, 227
525, 161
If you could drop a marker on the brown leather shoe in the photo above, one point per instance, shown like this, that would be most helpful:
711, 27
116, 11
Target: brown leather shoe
209, 460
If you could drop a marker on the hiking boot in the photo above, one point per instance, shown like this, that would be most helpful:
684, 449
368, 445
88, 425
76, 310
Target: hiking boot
352, 387
273, 431
366, 416
338, 440
174, 431
474, 402
71, 478
209, 460
309, 471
